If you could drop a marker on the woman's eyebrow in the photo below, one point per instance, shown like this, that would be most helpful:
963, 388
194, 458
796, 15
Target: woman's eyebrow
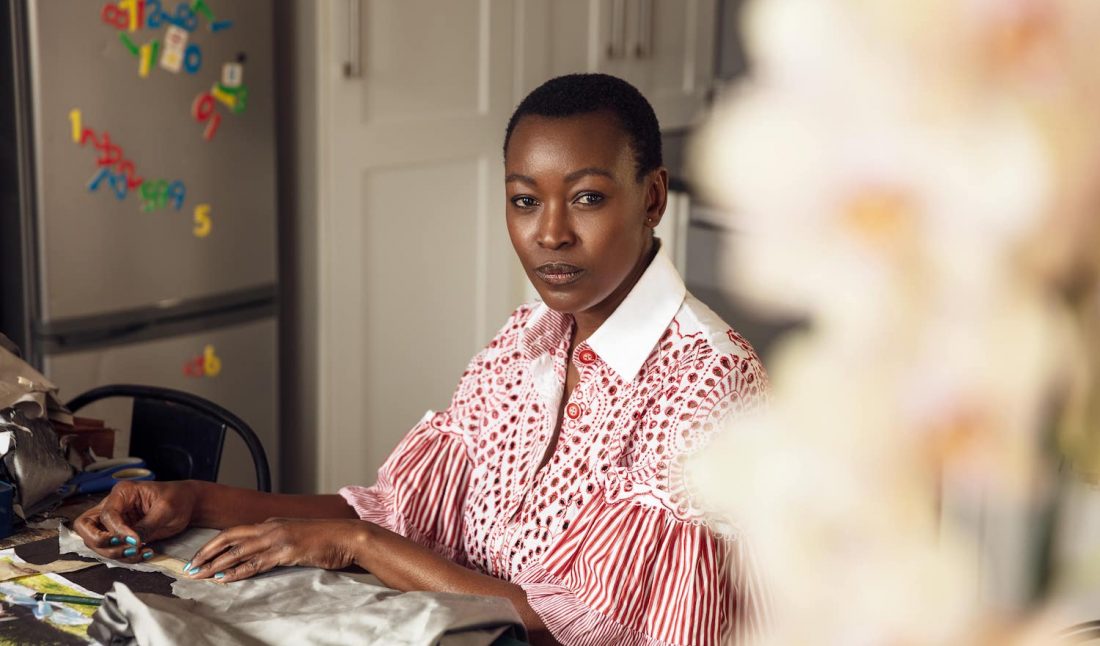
570, 178
591, 170
516, 177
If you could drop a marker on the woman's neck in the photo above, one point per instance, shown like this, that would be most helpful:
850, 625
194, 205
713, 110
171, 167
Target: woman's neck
586, 323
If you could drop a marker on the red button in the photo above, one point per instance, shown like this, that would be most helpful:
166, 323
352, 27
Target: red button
586, 356
573, 411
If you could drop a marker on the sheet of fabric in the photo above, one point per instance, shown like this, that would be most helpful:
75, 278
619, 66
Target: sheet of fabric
303, 606
171, 554
605, 539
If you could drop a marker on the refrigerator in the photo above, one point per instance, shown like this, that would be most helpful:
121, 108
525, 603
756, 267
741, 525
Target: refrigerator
138, 224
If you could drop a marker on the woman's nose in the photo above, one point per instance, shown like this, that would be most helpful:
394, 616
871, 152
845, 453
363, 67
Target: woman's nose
555, 230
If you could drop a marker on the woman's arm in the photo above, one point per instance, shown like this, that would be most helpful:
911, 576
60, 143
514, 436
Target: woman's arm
221, 506
400, 563
136, 513
406, 565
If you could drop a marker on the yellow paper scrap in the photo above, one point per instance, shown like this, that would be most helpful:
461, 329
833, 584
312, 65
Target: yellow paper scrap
10, 570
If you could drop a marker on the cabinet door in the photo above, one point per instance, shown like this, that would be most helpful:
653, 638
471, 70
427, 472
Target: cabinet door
663, 47
567, 36
676, 56
417, 271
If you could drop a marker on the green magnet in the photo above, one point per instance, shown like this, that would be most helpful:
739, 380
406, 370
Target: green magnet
128, 43
199, 6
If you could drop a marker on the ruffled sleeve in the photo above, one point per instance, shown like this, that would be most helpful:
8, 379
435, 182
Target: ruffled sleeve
421, 487
635, 575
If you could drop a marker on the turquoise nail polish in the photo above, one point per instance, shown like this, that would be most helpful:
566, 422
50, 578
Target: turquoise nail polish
191, 570
187, 568
219, 575
115, 540
131, 540
147, 555
129, 551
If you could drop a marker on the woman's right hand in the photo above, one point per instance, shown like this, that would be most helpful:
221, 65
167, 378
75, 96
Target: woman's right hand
137, 513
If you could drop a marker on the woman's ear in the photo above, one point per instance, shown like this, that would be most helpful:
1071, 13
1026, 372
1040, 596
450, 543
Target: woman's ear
656, 196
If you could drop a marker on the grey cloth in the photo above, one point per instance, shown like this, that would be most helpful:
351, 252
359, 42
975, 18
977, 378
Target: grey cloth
32, 455
301, 606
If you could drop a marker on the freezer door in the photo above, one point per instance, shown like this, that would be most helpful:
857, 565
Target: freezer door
231, 366
203, 220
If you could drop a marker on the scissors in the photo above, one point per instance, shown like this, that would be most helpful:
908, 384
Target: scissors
101, 476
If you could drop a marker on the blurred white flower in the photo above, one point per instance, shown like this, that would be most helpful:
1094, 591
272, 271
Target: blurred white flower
921, 181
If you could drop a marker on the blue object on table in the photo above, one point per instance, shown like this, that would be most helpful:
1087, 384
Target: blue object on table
7, 497
101, 476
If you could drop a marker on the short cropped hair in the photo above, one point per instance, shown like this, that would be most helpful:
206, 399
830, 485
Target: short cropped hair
577, 94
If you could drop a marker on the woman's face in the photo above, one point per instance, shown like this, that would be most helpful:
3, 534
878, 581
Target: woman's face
577, 215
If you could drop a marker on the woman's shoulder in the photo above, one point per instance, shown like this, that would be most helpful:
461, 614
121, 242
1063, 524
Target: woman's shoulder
701, 357
701, 375
511, 332
695, 318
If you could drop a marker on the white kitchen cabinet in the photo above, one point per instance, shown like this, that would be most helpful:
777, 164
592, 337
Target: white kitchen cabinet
664, 47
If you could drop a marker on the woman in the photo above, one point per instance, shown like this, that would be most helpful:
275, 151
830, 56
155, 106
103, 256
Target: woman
555, 477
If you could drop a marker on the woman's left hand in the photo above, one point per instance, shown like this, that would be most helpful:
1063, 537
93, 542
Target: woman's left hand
241, 552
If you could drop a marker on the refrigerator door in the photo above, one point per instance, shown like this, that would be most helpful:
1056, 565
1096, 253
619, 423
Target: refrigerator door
232, 366
118, 248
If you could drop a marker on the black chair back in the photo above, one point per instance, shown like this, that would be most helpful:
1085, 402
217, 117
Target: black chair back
180, 435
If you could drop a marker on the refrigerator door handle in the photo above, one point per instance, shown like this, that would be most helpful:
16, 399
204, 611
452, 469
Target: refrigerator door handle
353, 63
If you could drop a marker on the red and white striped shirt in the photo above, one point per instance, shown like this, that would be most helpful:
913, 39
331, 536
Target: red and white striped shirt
605, 538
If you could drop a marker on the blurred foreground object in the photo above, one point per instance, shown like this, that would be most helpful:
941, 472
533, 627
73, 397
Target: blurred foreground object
920, 180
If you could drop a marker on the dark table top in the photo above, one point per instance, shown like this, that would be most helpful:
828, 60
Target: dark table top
40, 546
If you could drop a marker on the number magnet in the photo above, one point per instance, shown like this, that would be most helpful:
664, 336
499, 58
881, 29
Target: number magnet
192, 59
128, 43
74, 121
211, 363
202, 221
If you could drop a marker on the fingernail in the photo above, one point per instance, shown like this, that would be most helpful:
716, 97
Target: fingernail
129, 551
115, 540
131, 540
191, 569
219, 575
147, 554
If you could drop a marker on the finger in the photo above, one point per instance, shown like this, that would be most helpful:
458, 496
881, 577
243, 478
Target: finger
229, 539
258, 564
134, 553
233, 558
103, 542
113, 517
94, 534
97, 537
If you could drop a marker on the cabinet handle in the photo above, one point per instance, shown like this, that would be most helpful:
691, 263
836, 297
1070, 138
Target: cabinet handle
353, 63
616, 44
645, 29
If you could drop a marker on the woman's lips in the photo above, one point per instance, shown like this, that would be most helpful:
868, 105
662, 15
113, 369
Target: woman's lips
558, 273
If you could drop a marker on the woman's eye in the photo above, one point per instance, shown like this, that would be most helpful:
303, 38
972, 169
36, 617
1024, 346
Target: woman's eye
525, 201
589, 199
